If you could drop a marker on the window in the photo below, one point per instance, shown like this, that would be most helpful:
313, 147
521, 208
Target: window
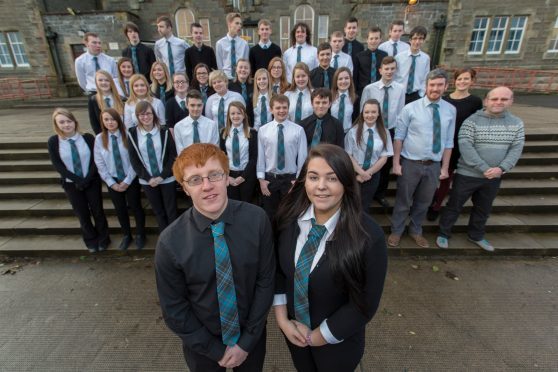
250, 34
12, 50
284, 31
5, 57
553, 47
183, 19
495, 40
478, 35
517, 29
204, 22
323, 27
305, 13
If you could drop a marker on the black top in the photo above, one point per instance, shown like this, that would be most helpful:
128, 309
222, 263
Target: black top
252, 152
167, 145
332, 130
146, 57
357, 47
54, 153
260, 58
169, 94
317, 77
94, 114
326, 297
362, 63
237, 87
186, 283
193, 56
174, 113
465, 107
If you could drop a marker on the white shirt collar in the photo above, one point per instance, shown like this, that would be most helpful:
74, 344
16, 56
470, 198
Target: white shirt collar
153, 131
329, 225
267, 45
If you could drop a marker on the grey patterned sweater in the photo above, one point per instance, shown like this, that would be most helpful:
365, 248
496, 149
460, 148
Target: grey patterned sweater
488, 141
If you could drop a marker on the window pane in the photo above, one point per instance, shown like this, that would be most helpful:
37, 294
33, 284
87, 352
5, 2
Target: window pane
184, 18
499, 25
323, 25
18, 49
206, 32
478, 34
516, 34
5, 57
305, 13
284, 30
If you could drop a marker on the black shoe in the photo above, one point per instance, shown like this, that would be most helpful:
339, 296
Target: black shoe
125, 243
432, 215
140, 242
383, 202
104, 246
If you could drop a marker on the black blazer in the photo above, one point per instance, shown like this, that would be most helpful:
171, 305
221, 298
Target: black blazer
174, 113
169, 94
332, 130
357, 47
146, 57
250, 170
94, 114
138, 163
193, 56
236, 87
326, 298
317, 77
361, 71
54, 153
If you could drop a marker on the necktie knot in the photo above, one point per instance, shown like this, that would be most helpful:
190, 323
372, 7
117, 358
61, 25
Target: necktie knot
72, 142
218, 228
280, 126
300, 94
343, 95
113, 137
317, 231
149, 135
370, 131
434, 106
235, 131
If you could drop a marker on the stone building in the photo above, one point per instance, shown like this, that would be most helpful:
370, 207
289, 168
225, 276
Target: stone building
41, 38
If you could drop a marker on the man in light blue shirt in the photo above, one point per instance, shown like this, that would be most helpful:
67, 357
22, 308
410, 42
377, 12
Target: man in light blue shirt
422, 150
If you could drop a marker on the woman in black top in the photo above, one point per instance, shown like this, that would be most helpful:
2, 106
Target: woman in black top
243, 84
332, 262
106, 97
71, 154
161, 82
176, 107
466, 105
200, 82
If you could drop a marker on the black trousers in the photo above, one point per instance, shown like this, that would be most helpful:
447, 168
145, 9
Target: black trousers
482, 192
411, 97
368, 190
163, 202
384, 173
342, 357
279, 186
131, 198
253, 363
244, 191
88, 203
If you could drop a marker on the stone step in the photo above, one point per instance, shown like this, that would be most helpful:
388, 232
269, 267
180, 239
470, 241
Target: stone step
24, 154
538, 158
70, 103
507, 244
540, 146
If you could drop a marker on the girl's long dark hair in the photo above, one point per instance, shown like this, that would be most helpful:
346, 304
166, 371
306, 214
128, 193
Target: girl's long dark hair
346, 252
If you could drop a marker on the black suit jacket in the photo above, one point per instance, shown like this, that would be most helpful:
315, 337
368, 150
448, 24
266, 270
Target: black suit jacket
332, 130
326, 298
186, 282
361, 71
94, 114
173, 113
146, 57
357, 47
317, 77
138, 163
250, 170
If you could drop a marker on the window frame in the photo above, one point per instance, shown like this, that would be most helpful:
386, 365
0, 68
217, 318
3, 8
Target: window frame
502, 30
5, 51
513, 29
304, 18
282, 38
319, 37
187, 34
478, 30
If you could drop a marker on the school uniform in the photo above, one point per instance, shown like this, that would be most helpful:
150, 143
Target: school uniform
84, 192
95, 111
245, 167
261, 54
365, 73
175, 110
163, 197
302, 101
415, 85
106, 161
368, 188
175, 59
144, 58
340, 321
130, 119
308, 55
393, 48
86, 65
262, 111
352, 47
248, 94
214, 103
206, 92
322, 78
341, 59
343, 110
184, 132
330, 130
279, 170
163, 94
194, 56
223, 52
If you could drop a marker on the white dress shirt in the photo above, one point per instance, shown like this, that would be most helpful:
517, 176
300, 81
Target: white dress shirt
344, 60
184, 132
295, 148
422, 68
308, 55
307, 108
85, 69
65, 152
359, 152
396, 102
258, 110
104, 159
178, 47
130, 119
347, 118
243, 149
387, 46
212, 104
142, 144
223, 52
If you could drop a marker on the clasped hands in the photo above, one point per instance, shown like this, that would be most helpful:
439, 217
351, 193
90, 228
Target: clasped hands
233, 357
296, 333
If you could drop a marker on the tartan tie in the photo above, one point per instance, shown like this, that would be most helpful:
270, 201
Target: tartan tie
385, 106
235, 148
226, 294
280, 148
369, 150
437, 130
302, 272
96, 60
76, 161
411, 79
394, 49
244, 91
127, 84
171, 59
373, 68
335, 61
196, 138
162, 94
263, 111
350, 48
135, 60
317, 133
275, 88
152, 156
326, 79
233, 58
107, 101
221, 113
204, 94
183, 105
298, 110
298, 53
120, 175
341, 113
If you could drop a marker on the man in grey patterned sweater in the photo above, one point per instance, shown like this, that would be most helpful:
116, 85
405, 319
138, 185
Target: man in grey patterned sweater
491, 141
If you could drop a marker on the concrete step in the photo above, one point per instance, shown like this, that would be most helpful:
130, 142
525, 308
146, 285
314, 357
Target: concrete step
75, 102
30, 143
24, 154
538, 158
540, 146
507, 244
35, 165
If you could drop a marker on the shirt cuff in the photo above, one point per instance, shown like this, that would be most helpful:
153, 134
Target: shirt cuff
326, 333
260, 175
279, 299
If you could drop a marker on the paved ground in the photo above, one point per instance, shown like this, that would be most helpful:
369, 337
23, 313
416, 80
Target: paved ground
101, 314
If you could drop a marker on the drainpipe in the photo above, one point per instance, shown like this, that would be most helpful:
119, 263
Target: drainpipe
439, 28
51, 38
